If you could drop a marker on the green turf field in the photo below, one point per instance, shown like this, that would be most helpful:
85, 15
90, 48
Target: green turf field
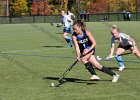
34, 55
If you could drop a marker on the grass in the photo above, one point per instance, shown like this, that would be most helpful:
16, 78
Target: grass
34, 55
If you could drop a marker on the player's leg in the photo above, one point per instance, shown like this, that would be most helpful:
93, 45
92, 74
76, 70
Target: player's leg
119, 58
136, 51
67, 38
103, 68
89, 66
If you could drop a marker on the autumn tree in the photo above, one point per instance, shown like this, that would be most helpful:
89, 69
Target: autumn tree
2, 7
119, 5
20, 7
41, 8
97, 6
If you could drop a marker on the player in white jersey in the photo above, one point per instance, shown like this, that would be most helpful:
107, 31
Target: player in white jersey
125, 43
67, 22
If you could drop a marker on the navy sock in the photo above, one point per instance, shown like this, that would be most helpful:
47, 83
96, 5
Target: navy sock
106, 70
90, 68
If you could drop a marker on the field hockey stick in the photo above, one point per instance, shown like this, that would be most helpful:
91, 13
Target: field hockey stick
61, 80
107, 58
57, 24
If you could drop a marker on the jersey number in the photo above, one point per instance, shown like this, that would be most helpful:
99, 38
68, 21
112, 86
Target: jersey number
84, 45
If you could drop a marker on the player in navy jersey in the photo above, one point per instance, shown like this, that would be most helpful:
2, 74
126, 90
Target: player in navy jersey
125, 43
85, 44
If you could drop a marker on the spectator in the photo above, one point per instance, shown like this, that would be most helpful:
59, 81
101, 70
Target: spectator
87, 15
81, 16
128, 16
124, 15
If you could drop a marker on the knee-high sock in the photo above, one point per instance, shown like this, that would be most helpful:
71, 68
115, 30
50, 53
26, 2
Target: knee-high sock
106, 70
90, 68
119, 60
68, 39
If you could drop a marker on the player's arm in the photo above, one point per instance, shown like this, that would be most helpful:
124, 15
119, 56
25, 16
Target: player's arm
73, 15
92, 40
71, 21
77, 49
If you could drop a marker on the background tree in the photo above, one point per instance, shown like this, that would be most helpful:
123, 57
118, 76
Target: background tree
119, 5
2, 7
97, 6
41, 8
70, 4
20, 7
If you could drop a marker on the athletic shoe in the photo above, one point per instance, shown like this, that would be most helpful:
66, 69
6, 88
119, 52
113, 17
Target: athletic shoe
115, 78
70, 45
121, 68
94, 77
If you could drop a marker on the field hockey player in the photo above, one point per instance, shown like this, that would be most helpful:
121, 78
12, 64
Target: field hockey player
67, 22
85, 44
125, 43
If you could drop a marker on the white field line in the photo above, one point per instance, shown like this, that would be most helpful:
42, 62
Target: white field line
37, 50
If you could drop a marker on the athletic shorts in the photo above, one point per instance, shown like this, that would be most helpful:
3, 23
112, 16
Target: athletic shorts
67, 30
125, 47
88, 48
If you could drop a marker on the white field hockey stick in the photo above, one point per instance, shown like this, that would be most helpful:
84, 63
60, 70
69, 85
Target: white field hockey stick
107, 58
57, 24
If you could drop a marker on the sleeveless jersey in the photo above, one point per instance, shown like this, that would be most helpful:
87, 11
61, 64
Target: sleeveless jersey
83, 41
123, 40
66, 21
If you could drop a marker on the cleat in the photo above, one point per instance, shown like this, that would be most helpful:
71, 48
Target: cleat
121, 68
94, 77
70, 45
115, 78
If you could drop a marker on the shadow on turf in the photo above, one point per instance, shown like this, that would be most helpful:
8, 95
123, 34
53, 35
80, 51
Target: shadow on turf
74, 80
116, 68
113, 68
58, 33
54, 46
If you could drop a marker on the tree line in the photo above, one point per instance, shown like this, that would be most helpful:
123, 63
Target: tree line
53, 7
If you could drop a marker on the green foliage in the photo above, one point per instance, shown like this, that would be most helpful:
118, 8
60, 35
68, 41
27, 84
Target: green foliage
2, 7
119, 5
19, 7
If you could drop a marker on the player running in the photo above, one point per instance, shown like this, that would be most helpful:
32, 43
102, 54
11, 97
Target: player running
125, 43
85, 44
67, 22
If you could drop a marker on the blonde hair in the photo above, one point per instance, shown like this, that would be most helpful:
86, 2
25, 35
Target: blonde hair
113, 27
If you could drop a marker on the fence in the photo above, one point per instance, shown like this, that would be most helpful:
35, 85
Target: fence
56, 18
